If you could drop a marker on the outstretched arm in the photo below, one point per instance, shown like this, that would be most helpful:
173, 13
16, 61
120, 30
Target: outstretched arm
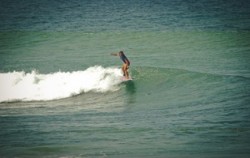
114, 54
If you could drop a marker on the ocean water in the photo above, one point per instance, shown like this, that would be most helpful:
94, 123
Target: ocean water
61, 93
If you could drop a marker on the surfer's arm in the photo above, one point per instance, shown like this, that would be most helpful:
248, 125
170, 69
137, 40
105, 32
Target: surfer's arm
114, 54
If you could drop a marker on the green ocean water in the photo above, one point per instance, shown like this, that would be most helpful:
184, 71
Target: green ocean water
61, 93
219, 52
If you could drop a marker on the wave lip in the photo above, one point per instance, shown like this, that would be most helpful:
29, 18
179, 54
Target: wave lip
33, 86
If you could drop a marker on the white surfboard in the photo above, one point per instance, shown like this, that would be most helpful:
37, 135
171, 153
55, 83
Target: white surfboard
124, 79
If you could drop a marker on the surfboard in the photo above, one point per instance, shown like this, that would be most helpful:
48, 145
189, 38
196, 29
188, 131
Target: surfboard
124, 79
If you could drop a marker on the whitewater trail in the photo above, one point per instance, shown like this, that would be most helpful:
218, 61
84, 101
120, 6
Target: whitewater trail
21, 86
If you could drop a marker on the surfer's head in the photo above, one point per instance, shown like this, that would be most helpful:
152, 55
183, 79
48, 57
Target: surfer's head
121, 53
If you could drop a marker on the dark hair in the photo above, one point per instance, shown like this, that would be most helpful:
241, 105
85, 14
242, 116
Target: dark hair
121, 52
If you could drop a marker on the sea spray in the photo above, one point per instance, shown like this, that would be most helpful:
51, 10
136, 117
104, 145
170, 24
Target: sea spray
32, 86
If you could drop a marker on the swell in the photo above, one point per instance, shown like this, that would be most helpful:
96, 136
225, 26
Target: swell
190, 85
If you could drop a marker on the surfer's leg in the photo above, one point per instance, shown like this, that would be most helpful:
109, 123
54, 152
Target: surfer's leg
123, 69
126, 71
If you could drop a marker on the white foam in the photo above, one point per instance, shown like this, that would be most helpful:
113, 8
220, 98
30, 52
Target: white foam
34, 86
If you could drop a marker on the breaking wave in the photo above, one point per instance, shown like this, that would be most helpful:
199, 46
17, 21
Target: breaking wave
22, 86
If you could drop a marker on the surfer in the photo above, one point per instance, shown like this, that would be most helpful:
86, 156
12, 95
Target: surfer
126, 63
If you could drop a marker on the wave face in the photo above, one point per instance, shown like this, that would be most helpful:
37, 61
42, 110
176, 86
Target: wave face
21, 86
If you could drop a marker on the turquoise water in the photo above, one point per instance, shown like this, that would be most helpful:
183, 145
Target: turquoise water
61, 93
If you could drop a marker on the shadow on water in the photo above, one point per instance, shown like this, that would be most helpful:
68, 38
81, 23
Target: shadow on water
130, 91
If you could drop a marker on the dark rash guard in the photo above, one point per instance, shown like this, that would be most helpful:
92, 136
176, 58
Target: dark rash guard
124, 59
